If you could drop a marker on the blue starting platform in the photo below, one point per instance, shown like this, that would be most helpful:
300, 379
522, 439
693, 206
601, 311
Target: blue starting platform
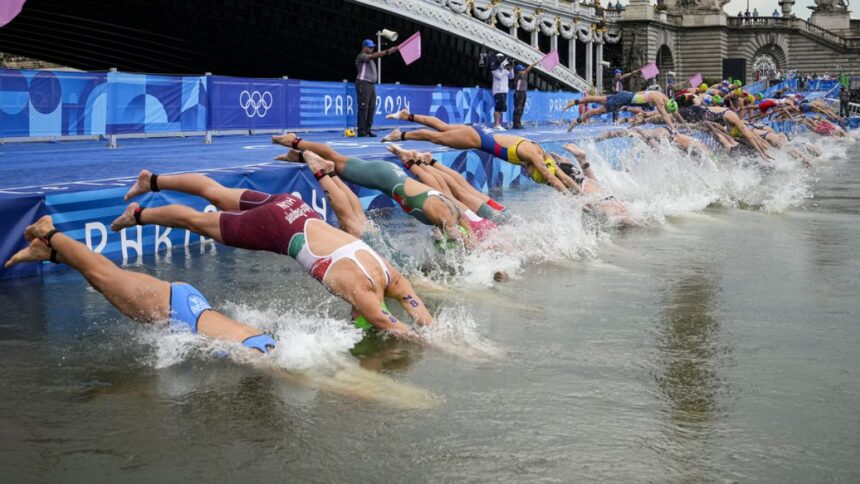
81, 183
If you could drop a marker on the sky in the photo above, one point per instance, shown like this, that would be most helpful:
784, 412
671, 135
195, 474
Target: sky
765, 7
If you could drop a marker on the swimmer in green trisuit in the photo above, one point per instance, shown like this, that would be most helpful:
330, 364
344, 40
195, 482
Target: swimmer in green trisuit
425, 204
139, 296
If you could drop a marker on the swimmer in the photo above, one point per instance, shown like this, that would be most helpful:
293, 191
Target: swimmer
651, 135
614, 102
472, 201
284, 224
513, 149
698, 114
140, 297
428, 206
582, 173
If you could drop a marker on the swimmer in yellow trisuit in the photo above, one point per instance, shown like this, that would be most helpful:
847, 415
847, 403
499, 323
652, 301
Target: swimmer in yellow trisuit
139, 296
513, 149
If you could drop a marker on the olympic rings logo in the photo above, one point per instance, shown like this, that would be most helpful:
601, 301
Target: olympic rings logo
255, 104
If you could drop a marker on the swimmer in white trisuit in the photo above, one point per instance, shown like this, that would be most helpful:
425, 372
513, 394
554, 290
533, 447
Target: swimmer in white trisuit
139, 296
284, 224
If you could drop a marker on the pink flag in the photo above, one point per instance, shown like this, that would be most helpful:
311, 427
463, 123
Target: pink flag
410, 48
550, 60
696, 80
649, 71
9, 9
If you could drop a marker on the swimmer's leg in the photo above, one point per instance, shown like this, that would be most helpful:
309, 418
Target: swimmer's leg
192, 183
177, 216
461, 139
351, 222
291, 140
138, 296
429, 121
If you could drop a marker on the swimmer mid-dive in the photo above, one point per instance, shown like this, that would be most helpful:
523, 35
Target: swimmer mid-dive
141, 297
513, 149
284, 224
614, 102
428, 206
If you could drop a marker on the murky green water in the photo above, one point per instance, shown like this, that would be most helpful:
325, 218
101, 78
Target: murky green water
722, 345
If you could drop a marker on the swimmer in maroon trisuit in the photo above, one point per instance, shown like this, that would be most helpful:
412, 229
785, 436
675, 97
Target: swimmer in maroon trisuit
284, 224
138, 296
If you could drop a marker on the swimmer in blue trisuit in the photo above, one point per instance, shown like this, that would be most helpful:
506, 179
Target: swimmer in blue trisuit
284, 224
516, 150
139, 296
614, 102
428, 206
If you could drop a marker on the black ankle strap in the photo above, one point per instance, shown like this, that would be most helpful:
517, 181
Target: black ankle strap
137, 213
295, 142
47, 237
153, 183
53, 257
409, 163
432, 162
301, 156
411, 117
403, 136
319, 174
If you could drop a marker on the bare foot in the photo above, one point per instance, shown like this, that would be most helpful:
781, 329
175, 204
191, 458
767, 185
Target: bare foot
318, 163
36, 251
126, 219
292, 156
396, 149
424, 157
39, 229
402, 115
284, 139
141, 186
574, 150
570, 104
394, 135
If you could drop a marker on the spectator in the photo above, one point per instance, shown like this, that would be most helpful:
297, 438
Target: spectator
618, 5
755, 12
670, 88
740, 14
365, 84
501, 75
521, 89
747, 18
775, 13
844, 99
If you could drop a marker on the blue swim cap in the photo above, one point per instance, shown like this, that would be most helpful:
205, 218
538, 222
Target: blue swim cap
368, 43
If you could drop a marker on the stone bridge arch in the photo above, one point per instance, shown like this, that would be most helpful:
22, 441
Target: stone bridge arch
770, 51
665, 61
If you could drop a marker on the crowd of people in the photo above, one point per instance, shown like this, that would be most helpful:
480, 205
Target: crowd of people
347, 260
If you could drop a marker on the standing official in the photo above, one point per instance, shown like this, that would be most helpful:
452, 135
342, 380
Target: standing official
501, 75
521, 87
365, 81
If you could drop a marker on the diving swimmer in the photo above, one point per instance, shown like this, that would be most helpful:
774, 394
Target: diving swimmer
140, 297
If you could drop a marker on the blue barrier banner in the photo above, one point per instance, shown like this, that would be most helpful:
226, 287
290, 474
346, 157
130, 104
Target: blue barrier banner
240, 103
547, 106
324, 105
52, 103
15, 215
146, 103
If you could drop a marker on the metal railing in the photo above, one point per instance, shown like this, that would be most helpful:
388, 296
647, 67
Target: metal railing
790, 23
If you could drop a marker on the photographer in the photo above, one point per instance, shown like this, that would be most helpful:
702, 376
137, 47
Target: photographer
502, 73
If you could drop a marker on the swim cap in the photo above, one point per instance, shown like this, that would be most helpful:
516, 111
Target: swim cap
725, 82
445, 243
750, 99
362, 323
738, 83
703, 87
724, 90
671, 106
739, 92
718, 100
707, 99
736, 132
759, 96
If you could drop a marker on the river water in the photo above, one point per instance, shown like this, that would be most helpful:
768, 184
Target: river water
717, 341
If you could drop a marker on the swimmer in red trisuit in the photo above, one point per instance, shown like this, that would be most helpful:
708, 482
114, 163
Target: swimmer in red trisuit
139, 296
284, 224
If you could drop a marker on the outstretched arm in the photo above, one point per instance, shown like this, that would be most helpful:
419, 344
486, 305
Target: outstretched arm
401, 289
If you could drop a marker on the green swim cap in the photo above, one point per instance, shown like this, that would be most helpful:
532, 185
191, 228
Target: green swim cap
718, 100
446, 243
362, 323
671, 106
